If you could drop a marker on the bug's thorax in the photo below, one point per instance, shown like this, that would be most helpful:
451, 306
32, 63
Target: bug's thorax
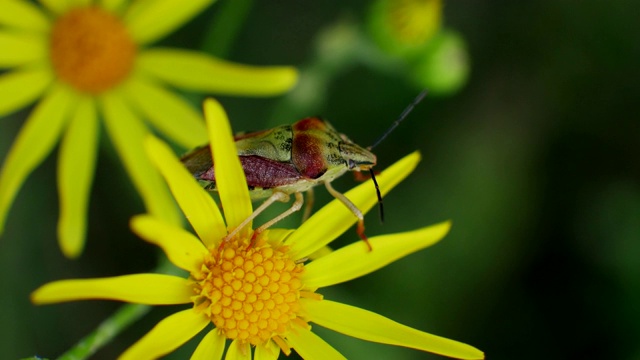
318, 150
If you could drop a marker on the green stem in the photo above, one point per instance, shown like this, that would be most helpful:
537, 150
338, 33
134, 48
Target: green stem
106, 331
114, 325
225, 27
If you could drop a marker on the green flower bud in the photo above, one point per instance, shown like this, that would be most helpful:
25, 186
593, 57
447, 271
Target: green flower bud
443, 67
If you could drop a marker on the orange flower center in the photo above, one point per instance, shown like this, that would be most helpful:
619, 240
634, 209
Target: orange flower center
414, 21
91, 49
250, 294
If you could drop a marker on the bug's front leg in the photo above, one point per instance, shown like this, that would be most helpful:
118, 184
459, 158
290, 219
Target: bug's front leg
354, 209
296, 206
276, 196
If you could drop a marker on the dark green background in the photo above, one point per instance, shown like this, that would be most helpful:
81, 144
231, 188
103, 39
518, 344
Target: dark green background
535, 161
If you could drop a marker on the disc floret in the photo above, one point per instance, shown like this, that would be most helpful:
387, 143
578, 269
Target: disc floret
250, 293
91, 49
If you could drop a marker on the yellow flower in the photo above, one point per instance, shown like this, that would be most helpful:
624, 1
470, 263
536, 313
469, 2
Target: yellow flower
261, 296
83, 59
404, 27
415, 21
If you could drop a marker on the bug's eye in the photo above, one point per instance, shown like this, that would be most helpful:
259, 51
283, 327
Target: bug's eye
351, 164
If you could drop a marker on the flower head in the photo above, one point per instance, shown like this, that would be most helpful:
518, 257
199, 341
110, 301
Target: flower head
261, 295
83, 59
404, 27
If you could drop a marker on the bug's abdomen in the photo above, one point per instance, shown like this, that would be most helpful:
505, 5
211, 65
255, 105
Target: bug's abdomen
260, 173
198, 161
267, 174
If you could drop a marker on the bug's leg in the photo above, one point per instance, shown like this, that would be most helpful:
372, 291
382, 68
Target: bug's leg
360, 177
354, 209
309, 205
297, 205
276, 196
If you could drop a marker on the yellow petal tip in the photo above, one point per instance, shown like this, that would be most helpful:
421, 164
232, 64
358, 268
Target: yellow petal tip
137, 221
212, 106
289, 77
37, 298
415, 156
71, 240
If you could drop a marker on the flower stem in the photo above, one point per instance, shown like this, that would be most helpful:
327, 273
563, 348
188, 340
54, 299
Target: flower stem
225, 27
119, 321
106, 331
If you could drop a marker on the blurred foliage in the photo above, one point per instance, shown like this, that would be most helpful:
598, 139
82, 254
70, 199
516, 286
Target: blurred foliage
535, 160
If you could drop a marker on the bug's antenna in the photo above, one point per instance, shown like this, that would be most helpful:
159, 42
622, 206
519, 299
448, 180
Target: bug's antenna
395, 124
403, 115
375, 182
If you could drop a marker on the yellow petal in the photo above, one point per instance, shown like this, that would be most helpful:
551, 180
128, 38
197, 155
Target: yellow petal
370, 326
323, 251
128, 133
23, 15
150, 20
197, 71
340, 266
230, 180
196, 204
150, 289
114, 6
76, 165
167, 335
21, 48
335, 218
21, 87
310, 346
238, 351
80, 3
277, 236
167, 112
36, 139
183, 249
57, 6
269, 351
211, 347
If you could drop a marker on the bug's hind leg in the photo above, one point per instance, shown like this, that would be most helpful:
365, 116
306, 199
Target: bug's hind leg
276, 196
354, 209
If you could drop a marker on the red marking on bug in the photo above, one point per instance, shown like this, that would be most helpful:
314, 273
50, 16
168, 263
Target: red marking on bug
312, 123
307, 156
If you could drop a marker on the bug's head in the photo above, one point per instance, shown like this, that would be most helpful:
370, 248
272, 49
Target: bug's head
355, 156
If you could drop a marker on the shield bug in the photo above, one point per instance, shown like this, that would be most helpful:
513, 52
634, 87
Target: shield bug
292, 159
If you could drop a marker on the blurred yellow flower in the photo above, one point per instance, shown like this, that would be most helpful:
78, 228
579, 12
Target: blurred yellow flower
82, 59
262, 296
404, 27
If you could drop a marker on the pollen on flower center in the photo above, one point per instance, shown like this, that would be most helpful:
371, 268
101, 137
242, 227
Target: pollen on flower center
91, 49
250, 294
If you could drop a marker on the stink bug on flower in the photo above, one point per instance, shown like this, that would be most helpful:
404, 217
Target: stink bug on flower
292, 159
